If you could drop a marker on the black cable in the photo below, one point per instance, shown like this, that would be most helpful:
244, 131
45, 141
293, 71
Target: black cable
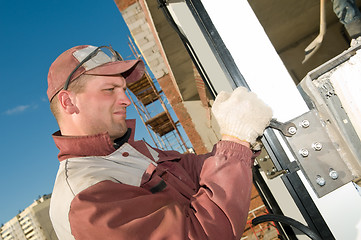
285, 231
289, 221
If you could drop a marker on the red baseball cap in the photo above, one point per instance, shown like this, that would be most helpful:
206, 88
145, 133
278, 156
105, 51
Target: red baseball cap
100, 64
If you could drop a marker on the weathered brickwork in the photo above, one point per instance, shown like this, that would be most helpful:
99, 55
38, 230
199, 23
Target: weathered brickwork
183, 116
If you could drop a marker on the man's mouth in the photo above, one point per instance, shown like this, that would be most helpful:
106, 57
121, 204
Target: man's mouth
121, 112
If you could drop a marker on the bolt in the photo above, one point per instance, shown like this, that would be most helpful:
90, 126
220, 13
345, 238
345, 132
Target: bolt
292, 130
333, 174
320, 180
272, 172
303, 152
317, 146
305, 123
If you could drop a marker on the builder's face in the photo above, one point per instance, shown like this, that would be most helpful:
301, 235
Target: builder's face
102, 106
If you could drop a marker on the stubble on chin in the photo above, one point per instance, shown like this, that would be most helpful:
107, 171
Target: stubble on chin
120, 132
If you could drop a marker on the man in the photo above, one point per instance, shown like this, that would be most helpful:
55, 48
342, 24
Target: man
111, 187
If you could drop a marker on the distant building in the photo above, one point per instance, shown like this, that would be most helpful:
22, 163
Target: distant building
31, 224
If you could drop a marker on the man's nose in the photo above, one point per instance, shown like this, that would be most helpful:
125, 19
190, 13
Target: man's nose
123, 99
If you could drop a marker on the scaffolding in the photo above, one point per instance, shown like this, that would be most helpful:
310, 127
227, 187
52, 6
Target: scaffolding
149, 102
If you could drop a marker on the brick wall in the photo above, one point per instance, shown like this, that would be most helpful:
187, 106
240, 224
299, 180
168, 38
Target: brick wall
137, 22
183, 116
123, 4
201, 88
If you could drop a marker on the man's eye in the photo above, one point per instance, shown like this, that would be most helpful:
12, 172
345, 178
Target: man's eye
109, 89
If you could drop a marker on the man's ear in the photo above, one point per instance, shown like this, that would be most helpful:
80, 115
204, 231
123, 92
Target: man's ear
67, 103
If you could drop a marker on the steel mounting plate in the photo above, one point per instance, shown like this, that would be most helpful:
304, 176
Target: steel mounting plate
318, 156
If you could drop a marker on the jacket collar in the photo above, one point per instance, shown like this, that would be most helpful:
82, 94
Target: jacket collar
94, 145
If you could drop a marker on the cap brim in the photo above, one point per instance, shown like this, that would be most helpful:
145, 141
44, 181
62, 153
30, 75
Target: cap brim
132, 70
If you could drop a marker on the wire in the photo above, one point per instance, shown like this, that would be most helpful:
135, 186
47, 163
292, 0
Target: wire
289, 221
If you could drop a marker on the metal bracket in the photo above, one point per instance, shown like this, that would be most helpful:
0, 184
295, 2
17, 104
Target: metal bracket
317, 155
266, 164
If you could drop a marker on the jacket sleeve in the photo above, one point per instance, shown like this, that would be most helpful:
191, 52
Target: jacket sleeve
217, 210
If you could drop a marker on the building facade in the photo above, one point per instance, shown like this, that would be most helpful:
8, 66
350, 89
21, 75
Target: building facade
33, 223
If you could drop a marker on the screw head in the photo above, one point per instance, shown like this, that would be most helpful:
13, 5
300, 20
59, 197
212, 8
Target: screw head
292, 130
317, 146
272, 172
333, 174
320, 180
303, 152
305, 123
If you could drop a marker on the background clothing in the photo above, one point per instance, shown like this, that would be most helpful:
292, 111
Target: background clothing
346, 10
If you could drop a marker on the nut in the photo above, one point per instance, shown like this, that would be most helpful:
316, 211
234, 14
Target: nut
305, 123
317, 146
303, 152
333, 174
292, 130
320, 180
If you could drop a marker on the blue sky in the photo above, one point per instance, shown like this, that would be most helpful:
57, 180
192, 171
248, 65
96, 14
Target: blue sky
33, 34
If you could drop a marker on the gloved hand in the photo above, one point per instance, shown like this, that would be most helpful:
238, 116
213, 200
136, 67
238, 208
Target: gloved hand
241, 114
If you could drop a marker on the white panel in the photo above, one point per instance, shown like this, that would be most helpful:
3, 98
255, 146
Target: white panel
346, 80
255, 57
266, 75
184, 18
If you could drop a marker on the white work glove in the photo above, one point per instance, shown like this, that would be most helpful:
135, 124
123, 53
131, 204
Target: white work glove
241, 114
